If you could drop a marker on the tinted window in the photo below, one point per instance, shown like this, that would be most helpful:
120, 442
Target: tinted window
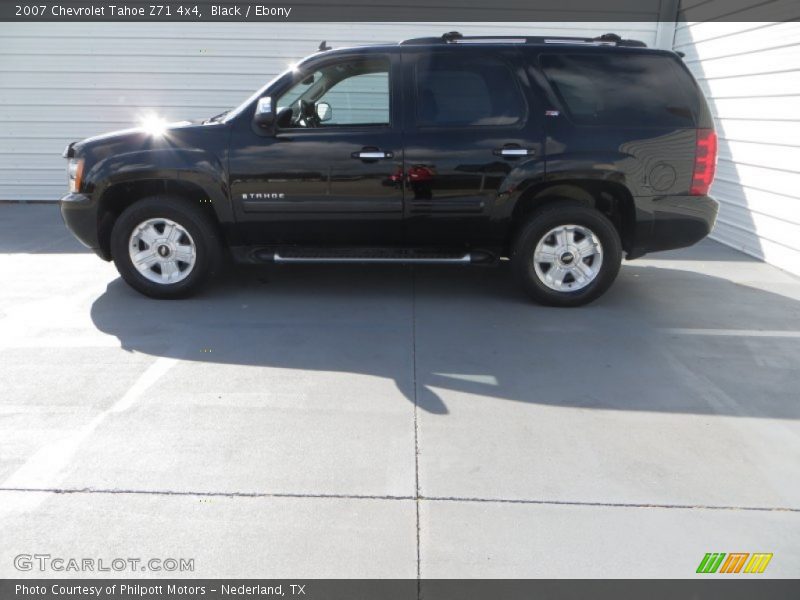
622, 89
454, 92
359, 99
356, 92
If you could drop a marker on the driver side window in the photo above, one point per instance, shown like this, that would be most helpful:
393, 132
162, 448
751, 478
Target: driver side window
351, 93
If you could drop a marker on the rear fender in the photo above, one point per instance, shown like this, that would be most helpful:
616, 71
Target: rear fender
562, 171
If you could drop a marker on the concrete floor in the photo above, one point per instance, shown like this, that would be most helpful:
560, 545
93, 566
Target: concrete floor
388, 422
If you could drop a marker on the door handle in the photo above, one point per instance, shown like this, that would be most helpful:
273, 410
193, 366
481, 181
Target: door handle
513, 151
370, 154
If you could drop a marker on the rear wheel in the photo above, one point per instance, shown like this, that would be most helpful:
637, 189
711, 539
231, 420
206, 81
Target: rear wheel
165, 248
567, 255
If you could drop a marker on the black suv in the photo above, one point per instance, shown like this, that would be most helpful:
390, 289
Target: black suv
558, 154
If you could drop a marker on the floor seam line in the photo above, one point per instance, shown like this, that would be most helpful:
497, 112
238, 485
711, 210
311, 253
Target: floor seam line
417, 498
416, 425
122, 491
587, 503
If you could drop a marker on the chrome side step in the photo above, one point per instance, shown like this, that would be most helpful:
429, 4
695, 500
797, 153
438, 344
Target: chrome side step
465, 259
371, 255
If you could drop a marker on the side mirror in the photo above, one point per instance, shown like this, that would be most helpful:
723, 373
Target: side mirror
264, 115
324, 111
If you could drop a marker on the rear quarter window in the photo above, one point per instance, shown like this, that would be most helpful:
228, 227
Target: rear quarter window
622, 90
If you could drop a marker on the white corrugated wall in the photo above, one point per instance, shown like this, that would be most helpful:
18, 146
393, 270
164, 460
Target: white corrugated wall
61, 82
750, 73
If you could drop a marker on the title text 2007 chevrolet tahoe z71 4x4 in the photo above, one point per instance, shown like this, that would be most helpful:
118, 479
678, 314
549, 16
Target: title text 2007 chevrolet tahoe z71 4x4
559, 154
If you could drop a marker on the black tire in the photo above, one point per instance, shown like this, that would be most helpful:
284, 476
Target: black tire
201, 228
545, 220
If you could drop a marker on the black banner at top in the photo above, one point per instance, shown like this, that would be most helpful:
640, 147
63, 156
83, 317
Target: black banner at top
399, 10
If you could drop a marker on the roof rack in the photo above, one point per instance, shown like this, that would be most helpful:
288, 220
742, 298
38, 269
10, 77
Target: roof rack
454, 37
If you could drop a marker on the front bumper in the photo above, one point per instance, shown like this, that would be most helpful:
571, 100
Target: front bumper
79, 212
670, 222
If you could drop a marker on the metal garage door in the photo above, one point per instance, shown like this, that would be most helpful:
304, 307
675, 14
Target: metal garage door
750, 73
64, 81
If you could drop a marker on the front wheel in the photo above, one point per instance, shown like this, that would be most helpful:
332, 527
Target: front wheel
165, 248
567, 255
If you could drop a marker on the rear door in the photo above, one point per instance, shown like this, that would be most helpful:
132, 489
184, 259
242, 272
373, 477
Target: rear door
469, 123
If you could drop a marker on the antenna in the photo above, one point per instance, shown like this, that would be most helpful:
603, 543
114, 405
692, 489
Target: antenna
324, 46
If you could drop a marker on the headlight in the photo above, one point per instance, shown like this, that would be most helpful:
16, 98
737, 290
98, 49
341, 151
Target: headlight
75, 173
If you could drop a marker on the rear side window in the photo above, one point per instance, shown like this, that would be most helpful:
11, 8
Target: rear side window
452, 92
620, 90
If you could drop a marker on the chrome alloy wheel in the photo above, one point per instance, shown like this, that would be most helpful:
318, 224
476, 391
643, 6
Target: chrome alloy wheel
568, 258
162, 250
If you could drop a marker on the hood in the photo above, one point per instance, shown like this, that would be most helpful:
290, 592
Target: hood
145, 137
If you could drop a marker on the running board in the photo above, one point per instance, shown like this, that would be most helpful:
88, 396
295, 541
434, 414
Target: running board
298, 255
465, 259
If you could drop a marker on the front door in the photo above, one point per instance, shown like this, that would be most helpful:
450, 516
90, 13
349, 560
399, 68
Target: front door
470, 128
329, 173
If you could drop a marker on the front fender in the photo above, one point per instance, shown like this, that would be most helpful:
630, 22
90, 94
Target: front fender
196, 166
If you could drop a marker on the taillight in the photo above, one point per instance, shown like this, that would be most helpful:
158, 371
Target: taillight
705, 162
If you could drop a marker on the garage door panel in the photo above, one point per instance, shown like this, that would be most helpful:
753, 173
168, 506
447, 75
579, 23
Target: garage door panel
753, 86
166, 47
761, 247
771, 180
775, 229
760, 201
687, 34
261, 68
136, 98
35, 190
117, 80
38, 162
785, 158
783, 133
68, 131
737, 10
112, 117
35, 173
200, 30
750, 73
771, 35
44, 146
774, 108
762, 61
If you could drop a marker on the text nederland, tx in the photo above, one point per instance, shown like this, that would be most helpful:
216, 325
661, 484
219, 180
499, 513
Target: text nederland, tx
136, 589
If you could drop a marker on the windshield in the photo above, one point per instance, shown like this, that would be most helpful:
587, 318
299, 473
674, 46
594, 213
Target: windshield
232, 114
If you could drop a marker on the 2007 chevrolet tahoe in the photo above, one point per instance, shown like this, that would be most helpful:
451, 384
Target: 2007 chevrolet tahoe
559, 154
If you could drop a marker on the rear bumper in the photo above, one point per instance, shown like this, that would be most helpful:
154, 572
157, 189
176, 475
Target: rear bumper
79, 212
669, 222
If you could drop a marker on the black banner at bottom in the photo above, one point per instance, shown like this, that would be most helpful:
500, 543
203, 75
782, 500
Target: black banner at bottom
397, 589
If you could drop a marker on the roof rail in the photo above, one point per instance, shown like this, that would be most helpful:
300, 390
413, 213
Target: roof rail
454, 37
